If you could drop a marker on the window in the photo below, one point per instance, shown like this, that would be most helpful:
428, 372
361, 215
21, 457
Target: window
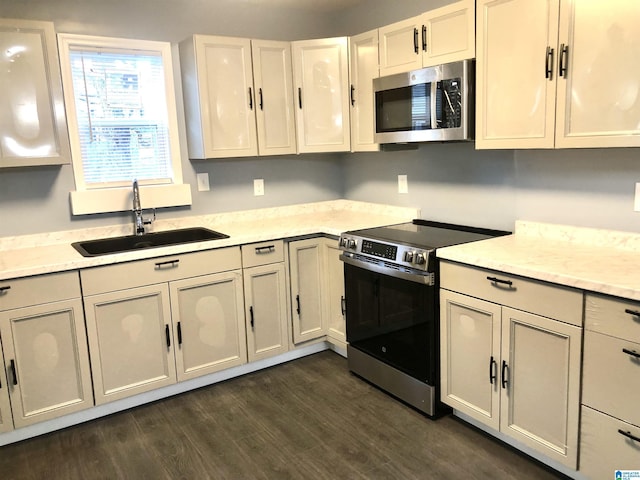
121, 111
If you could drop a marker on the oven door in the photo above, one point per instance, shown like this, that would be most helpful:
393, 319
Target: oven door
393, 320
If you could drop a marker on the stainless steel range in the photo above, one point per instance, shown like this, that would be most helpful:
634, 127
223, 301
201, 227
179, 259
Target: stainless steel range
391, 291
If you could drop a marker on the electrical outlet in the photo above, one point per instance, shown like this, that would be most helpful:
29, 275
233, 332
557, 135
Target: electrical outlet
203, 182
403, 186
636, 204
258, 187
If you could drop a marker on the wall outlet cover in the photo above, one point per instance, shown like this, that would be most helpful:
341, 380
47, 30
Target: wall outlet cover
258, 187
203, 182
403, 185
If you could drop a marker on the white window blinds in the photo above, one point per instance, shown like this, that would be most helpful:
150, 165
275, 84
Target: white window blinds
122, 116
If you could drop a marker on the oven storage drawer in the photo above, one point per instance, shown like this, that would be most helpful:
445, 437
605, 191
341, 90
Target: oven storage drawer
611, 371
553, 301
606, 445
613, 316
52, 287
263, 253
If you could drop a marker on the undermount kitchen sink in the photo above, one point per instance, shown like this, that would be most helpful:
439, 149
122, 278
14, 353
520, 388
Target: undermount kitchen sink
106, 246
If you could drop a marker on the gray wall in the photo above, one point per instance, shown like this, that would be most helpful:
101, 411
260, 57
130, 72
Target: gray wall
449, 182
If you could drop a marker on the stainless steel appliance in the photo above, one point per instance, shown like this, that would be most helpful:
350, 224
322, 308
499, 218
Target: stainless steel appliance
430, 104
391, 291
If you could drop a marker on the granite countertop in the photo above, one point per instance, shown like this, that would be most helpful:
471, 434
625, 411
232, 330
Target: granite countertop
47, 253
596, 260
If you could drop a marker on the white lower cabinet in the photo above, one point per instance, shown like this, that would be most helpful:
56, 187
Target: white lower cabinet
187, 323
516, 372
334, 280
45, 351
265, 299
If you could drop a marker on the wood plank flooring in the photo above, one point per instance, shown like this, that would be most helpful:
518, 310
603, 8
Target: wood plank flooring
307, 419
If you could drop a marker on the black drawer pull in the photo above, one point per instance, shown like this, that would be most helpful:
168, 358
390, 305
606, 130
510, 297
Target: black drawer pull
251, 315
265, 249
499, 280
629, 435
633, 353
493, 367
343, 305
167, 335
548, 65
298, 304
416, 47
179, 334
250, 99
424, 38
635, 313
261, 100
563, 64
5, 289
505, 374
168, 263
300, 98
14, 373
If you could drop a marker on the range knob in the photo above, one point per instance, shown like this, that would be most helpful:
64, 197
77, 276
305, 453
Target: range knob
351, 243
342, 242
420, 258
408, 256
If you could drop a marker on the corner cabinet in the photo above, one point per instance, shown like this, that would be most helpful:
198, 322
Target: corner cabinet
544, 74
321, 83
45, 349
34, 127
438, 36
510, 360
153, 322
335, 301
363, 68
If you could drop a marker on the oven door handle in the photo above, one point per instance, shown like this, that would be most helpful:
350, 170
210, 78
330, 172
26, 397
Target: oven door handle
425, 279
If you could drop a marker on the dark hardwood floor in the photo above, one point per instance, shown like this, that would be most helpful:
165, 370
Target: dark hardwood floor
307, 419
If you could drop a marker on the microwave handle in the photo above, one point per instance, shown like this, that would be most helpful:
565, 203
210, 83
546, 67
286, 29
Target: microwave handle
434, 114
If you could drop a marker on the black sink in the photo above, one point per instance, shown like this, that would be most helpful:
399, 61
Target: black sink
106, 246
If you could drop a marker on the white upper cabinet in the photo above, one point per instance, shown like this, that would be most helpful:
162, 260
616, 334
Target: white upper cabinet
272, 78
33, 126
321, 81
363, 63
219, 99
544, 74
442, 35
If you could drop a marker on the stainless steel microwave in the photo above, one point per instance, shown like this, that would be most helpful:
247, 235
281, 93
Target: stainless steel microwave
426, 105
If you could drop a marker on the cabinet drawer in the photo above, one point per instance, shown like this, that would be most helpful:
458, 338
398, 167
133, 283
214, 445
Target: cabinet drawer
255, 254
24, 292
541, 298
612, 316
610, 382
603, 449
157, 270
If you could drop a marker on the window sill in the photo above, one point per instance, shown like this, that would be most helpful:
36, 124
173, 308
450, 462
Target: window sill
85, 202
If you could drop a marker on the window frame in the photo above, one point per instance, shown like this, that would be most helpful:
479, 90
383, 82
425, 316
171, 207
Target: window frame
96, 199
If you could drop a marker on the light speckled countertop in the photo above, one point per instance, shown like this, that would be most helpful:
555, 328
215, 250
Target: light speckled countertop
597, 260
46, 253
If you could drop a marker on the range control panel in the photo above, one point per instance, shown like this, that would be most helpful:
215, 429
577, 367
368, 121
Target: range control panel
405, 255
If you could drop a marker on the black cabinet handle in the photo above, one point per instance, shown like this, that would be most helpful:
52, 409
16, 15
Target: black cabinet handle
493, 367
250, 99
635, 313
563, 65
298, 303
353, 98
261, 102
415, 40
424, 38
168, 263
343, 305
505, 374
548, 64
14, 373
633, 353
629, 435
167, 335
5, 289
265, 249
300, 97
179, 333
499, 280
251, 316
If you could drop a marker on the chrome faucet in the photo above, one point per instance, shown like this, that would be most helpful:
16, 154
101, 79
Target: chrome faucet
138, 221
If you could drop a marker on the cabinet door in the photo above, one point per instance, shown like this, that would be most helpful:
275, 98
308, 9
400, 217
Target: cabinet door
305, 264
321, 78
47, 361
334, 277
515, 98
6, 419
266, 311
225, 83
470, 356
273, 82
364, 68
599, 96
400, 46
33, 129
541, 384
448, 34
208, 324
130, 341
